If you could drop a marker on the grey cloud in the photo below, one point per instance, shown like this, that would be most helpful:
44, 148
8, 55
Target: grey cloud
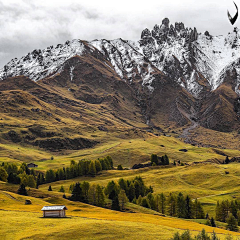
27, 25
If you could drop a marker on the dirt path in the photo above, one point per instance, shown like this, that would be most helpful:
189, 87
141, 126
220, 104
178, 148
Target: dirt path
185, 134
215, 195
10, 196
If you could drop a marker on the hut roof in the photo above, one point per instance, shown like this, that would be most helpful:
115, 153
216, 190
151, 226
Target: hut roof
54, 208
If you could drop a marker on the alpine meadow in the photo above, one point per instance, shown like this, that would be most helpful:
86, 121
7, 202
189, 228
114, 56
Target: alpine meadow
123, 139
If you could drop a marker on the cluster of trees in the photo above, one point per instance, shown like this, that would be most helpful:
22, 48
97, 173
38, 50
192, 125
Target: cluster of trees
155, 160
118, 192
174, 205
132, 188
22, 190
82, 168
137, 192
201, 236
84, 192
229, 212
15, 174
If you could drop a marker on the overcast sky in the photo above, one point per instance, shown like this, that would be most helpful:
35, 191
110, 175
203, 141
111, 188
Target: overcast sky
26, 25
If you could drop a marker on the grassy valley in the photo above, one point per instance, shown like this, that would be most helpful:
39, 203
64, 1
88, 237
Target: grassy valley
199, 177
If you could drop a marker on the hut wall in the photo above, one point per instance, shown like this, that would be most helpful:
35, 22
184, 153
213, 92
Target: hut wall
52, 213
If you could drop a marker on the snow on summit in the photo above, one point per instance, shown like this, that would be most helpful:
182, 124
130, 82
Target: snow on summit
179, 52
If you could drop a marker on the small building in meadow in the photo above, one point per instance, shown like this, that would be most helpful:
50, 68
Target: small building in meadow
54, 211
31, 165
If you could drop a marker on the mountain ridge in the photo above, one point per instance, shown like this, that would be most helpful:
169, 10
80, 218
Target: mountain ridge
196, 54
174, 75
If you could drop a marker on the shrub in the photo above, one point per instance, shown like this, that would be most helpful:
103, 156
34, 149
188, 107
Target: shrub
119, 167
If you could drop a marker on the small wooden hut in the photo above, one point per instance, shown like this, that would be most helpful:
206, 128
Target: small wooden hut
32, 165
54, 211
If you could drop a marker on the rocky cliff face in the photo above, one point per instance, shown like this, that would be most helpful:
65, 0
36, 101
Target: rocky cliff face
194, 60
174, 71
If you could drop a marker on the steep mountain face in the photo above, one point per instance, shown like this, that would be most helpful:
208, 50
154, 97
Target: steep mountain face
172, 75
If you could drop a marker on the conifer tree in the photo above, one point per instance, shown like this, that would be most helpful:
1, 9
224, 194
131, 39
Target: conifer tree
122, 197
162, 203
77, 194
214, 236
115, 201
203, 235
224, 206
131, 192
208, 223
80, 168
123, 185
98, 166
198, 212
61, 174
233, 209
181, 207
151, 200
238, 217
145, 203
188, 211
50, 176
99, 196
119, 167
85, 188
103, 163
24, 179
218, 212
213, 224
110, 162
13, 178
142, 189
71, 187
227, 160
154, 159
109, 188
137, 188
31, 181
92, 169
139, 201
165, 160
3, 174
232, 224
171, 205
22, 190
62, 189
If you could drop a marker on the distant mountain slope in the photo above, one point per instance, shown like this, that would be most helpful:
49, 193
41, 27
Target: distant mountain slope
173, 76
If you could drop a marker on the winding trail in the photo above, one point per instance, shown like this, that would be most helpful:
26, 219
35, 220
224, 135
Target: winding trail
185, 134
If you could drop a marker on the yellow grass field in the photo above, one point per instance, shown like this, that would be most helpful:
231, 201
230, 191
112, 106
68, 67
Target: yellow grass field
20, 221
126, 152
206, 181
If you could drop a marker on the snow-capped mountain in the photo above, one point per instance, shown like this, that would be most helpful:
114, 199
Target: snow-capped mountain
172, 76
183, 54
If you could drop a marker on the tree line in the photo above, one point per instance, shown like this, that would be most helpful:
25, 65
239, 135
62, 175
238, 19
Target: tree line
82, 168
12, 173
157, 161
176, 205
229, 212
137, 192
186, 235
118, 192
